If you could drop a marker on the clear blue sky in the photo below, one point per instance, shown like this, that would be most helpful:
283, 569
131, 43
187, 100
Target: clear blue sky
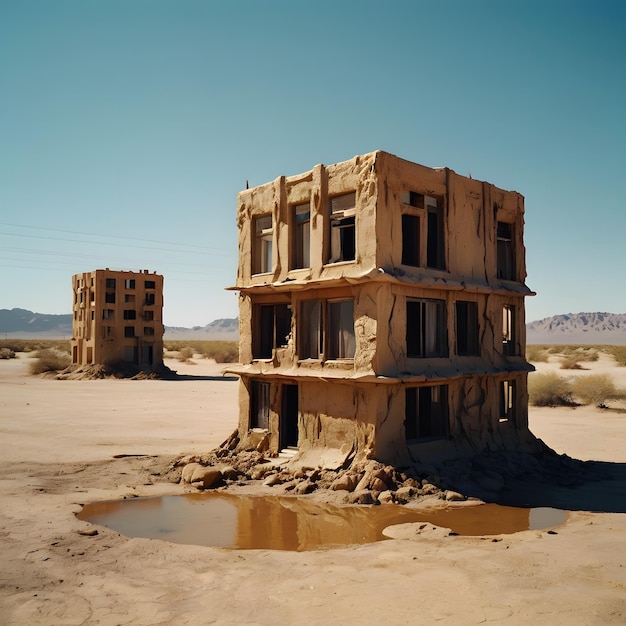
127, 127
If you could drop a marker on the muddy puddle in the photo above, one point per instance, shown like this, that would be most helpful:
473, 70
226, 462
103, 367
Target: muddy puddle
280, 523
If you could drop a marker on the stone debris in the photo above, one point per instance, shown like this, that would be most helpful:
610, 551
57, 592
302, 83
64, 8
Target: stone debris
483, 476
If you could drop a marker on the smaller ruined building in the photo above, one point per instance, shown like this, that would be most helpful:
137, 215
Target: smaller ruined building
117, 318
381, 312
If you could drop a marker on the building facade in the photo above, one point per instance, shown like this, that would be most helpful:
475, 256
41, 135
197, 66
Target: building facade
381, 311
117, 317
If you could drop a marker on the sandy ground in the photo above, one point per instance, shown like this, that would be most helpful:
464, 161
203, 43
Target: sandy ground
58, 440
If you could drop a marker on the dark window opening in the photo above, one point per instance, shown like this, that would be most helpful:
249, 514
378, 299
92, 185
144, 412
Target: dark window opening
301, 250
310, 328
410, 240
272, 327
129, 331
434, 242
129, 283
259, 405
341, 340
149, 284
130, 314
148, 316
342, 228
506, 256
148, 330
129, 298
426, 412
150, 298
108, 314
109, 297
426, 328
509, 340
289, 417
507, 400
467, 328
109, 283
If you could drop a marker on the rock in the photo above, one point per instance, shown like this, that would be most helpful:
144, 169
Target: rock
206, 477
188, 471
378, 485
271, 480
346, 482
454, 496
306, 486
385, 497
404, 494
429, 489
229, 472
360, 497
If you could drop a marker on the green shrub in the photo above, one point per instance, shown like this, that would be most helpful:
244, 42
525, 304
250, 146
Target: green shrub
594, 389
49, 360
549, 389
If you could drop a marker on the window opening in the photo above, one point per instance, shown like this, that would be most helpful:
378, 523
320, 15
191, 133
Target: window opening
148, 330
342, 228
426, 412
129, 298
148, 316
108, 314
130, 314
410, 240
129, 283
509, 340
311, 329
109, 297
289, 417
426, 328
110, 283
341, 340
301, 254
506, 257
129, 331
507, 400
434, 243
262, 245
259, 405
150, 284
272, 327
150, 298
467, 328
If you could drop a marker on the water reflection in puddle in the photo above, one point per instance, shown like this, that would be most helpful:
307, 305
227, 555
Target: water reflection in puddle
275, 523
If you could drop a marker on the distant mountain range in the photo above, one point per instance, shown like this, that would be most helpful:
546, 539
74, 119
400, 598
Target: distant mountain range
24, 324
584, 328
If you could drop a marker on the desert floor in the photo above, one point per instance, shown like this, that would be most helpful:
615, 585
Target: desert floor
58, 440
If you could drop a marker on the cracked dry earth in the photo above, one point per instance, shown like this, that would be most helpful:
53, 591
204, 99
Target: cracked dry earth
58, 443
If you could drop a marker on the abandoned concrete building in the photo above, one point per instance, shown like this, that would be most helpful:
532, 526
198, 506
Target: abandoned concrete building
381, 312
117, 316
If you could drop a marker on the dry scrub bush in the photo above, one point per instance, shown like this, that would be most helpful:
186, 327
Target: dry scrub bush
536, 354
220, 351
594, 389
185, 354
619, 352
7, 353
32, 345
549, 389
49, 360
571, 363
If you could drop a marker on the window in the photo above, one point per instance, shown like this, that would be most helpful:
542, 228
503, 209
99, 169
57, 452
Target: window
129, 331
272, 328
342, 228
150, 298
262, 245
149, 284
108, 314
410, 240
93, 315
507, 400
129, 298
509, 341
129, 283
426, 328
110, 283
109, 297
434, 242
341, 341
430, 209
426, 412
148, 330
108, 332
326, 329
301, 236
148, 316
92, 296
467, 328
259, 405
506, 257
310, 327
130, 314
